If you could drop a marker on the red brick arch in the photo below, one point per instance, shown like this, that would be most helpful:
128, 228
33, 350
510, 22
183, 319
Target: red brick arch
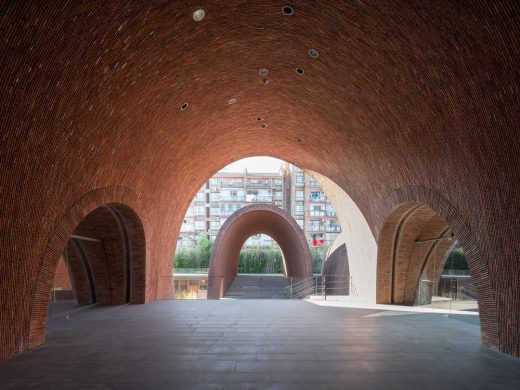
108, 214
415, 213
249, 220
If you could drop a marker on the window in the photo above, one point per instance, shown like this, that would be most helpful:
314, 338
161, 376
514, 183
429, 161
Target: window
299, 195
316, 225
200, 225
299, 179
278, 182
317, 196
199, 210
313, 183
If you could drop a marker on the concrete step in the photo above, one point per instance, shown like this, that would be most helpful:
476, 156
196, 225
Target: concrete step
258, 287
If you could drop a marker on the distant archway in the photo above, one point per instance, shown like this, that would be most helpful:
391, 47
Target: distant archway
418, 214
246, 222
103, 237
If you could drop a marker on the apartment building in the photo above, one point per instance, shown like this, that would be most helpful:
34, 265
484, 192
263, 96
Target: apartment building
311, 209
290, 189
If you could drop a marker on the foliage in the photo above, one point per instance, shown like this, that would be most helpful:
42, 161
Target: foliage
260, 261
456, 259
251, 260
318, 254
197, 257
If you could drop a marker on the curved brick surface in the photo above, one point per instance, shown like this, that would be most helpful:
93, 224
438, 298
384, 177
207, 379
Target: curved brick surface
336, 262
244, 223
415, 94
335, 269
102, 214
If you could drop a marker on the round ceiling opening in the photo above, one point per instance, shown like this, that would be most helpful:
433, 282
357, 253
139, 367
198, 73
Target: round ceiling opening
198, 15
287, 10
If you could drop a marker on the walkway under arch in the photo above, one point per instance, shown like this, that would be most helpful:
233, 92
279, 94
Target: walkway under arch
418, 214
244, 223
103, 237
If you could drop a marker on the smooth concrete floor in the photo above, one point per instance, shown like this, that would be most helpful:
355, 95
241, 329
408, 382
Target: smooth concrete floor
258, 344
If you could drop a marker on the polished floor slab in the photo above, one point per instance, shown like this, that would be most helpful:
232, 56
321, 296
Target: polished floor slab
257, 344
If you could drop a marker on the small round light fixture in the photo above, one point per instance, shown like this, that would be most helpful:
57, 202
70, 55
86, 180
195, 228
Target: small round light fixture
263, 72
264, 126
300, 71
232, 101
184, 106
287, 10
258, 118
313, 53
198, 15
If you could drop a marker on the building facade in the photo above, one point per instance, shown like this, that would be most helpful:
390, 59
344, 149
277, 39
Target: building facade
311, 209
290, 189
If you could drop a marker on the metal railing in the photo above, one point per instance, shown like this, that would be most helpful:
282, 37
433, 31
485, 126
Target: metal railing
190, 271
318, 285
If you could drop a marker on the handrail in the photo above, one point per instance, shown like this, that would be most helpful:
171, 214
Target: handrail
318, 285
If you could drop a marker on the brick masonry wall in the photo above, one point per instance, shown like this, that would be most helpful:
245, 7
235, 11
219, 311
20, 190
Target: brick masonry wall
417, 95
336, 271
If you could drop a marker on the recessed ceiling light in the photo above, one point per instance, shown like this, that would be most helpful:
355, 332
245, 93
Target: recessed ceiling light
263, 72
258, 118
287, 10
264, 126
313, 53
232, 101
184, 106
198, 15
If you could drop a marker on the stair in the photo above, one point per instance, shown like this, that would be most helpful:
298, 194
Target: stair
258, 287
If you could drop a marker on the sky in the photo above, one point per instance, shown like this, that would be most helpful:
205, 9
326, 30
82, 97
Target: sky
254, 164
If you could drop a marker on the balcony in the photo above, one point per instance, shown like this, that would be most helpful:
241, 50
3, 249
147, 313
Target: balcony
232, 198
259, 199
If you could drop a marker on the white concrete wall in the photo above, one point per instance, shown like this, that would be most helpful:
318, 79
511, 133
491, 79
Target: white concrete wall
361, 245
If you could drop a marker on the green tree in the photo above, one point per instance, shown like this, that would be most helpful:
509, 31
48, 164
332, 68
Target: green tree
197, 257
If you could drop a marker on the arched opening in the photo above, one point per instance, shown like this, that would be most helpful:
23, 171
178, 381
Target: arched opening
246, 222
102, 255
102, 261
261, 254
246, 181
414, 246
261, 272
444, 280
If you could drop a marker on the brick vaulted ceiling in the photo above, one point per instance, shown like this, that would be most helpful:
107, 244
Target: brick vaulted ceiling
402, 95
